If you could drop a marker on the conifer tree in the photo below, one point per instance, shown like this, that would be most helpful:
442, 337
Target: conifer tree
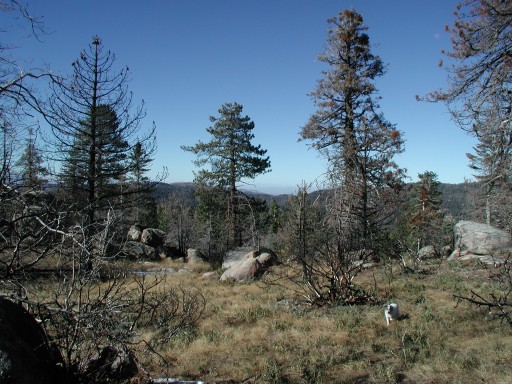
425, 217
356, 139
95, 129
231, 158
359, 145
31, 165
479, 93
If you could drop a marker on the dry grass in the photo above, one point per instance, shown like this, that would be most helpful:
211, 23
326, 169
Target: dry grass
256, 333
259, 333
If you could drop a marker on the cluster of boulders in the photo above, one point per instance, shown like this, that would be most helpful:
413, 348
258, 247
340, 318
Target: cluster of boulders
148, 244
241, 264
473, 240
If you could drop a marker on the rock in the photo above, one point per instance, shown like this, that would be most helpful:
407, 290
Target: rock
266, 260
139, 251
26, 356
235, 256
152, 237
477, 240
243, 271
446, 251
194, 256
135, 232
110, 363
428, 252
250, 267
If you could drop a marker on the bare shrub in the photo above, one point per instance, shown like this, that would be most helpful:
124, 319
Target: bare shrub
92, 303
499, 300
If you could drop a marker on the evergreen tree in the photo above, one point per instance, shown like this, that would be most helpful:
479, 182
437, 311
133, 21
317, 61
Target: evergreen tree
31, 163
144, 204
232, 158
358, 142
492, 160
425, 217
479, 94
95, 131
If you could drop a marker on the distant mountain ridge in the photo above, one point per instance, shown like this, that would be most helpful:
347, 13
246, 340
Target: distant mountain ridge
456, 197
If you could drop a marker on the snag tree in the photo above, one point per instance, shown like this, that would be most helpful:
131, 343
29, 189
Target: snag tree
358, 143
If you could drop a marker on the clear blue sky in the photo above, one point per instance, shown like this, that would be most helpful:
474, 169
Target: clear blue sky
188, 57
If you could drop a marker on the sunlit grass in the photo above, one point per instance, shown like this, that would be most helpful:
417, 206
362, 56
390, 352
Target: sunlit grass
260, 333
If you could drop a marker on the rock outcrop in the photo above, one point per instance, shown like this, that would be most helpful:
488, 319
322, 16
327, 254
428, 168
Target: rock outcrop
482, 241
138, 251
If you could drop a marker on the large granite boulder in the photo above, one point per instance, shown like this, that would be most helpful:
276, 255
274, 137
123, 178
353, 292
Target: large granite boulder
234, 256
26, 356
242, 271
477, 240
252, 266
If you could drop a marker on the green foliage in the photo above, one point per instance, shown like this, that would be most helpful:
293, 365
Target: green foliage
231, 158
425, 221
96, 134
354, 136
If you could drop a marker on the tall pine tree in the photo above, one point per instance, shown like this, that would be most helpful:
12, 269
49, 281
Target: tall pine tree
95, 129
231, 159
357, 141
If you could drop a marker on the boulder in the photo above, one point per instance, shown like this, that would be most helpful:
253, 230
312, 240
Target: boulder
446, 251
138, 251
135, 232
194, 256
26, 356
152, 237
235, 256
428, 252
245, 270
477, 240
250, 267
266, 260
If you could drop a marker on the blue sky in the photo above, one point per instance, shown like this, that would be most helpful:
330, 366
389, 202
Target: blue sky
188, 57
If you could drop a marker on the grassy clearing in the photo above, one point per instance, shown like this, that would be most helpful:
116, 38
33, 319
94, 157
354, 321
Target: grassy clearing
259, 333
256, 333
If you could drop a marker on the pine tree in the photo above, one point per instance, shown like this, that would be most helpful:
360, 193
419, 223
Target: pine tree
95, 130
232, 158
31, 165
357, 141
479, 93
425, 216
144, 204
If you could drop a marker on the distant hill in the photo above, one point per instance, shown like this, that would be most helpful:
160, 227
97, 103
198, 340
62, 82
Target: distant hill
456, 197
